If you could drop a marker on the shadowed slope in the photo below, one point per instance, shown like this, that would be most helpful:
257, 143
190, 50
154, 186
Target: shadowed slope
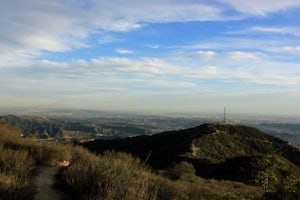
217, 151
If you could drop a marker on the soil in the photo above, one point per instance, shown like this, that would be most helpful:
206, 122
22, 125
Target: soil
44, 183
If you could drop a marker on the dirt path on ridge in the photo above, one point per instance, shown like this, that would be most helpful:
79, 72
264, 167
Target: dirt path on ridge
44, 183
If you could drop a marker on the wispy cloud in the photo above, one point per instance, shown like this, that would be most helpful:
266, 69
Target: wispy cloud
107, 39
153, 46
78, 49
124, 51
286, 49
29, 25
238, 55
206, 54
224, 55
279, 30
110, 68
56, 26
261, 7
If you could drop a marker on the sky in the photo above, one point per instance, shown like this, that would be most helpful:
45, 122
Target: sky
151, 56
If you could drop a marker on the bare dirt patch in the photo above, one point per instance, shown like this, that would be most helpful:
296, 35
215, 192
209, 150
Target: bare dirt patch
44, 183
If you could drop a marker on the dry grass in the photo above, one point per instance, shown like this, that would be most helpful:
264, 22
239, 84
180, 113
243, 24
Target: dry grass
109, 176
116, 175
202, 189
19, 156
15, 166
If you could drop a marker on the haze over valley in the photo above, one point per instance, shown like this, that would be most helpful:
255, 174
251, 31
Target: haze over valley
156, 56
81, 125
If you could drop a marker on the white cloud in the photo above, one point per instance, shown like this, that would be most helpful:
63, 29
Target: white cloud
34, 25
280, 30
238, 55
226, 44
107, 39
153, 46
146, 67
116, 82
117, 70
286, 49
206, 72
31, 26
206, 54
124, 51
262, 7
242, 48
223, 56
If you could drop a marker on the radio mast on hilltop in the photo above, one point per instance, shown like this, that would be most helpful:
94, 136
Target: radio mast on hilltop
224, 117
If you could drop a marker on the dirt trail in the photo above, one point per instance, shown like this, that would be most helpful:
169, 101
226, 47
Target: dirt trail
44, 183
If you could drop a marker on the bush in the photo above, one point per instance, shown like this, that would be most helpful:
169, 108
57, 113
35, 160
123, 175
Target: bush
270, 170
15, 166
114, 175
182, 170
282, 194
18, 157
109, 176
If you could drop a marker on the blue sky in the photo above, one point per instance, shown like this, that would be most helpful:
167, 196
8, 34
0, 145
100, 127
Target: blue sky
153, 56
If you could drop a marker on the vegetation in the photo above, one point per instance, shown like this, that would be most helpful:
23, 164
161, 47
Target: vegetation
182, 170
18, 158
268, 171
109, 176
115, 175
72, 129
218, 151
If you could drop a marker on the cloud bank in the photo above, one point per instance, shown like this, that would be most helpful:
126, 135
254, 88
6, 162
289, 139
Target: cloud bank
199, 49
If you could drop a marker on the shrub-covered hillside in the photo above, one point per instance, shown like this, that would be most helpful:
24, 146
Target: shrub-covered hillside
218, 151
116, 175
111, 175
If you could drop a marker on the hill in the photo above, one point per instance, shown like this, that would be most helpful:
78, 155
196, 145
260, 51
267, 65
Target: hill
77, 126
218, 151
71, 129
112, 175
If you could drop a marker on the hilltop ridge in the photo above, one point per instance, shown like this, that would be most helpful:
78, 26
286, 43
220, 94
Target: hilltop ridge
219, 151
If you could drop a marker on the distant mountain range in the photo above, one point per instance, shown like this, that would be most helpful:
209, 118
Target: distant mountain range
82, 125
218, 151
70, 128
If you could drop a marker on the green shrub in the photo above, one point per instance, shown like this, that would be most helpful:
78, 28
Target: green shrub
270, 170
182, 170
282, 194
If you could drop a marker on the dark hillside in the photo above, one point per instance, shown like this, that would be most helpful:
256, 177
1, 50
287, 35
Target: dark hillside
212, 142
160, 150
218, 151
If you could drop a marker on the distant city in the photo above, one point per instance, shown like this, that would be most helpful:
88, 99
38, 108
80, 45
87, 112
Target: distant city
82, 125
